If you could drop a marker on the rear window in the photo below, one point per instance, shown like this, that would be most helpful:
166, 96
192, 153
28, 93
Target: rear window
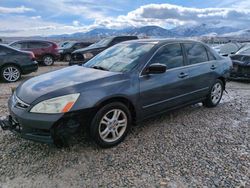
196, 53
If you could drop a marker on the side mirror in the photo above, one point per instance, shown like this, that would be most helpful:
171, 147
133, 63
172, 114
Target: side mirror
156, 68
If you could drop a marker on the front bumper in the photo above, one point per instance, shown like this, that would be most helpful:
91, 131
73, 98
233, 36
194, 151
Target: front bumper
29, 68
31, 126
9, 123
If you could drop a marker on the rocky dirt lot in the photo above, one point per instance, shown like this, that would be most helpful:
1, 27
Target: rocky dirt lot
190, 147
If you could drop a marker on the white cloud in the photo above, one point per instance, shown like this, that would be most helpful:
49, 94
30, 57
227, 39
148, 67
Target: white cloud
28, 26
164, 15
21, 9
76, 23
167, 15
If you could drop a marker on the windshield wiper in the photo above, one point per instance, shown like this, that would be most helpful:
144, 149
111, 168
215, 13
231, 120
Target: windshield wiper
100, 68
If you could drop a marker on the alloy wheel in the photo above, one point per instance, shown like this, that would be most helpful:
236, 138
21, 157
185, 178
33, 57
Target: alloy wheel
11, 74
113, 125
48, 60
216, 93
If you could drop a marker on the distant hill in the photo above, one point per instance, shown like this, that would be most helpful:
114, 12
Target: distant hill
153, 32
239, 34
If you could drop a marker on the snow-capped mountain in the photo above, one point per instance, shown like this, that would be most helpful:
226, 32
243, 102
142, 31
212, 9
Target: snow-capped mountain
203, 29
239, 34
154, 32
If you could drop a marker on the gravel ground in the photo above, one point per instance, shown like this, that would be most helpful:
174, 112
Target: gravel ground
190, 147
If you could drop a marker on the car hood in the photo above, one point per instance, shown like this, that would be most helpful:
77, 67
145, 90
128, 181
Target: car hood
89, 48
73, 79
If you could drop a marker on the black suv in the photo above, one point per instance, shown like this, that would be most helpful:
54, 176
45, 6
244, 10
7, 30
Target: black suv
68, 48
14, 63
81, 56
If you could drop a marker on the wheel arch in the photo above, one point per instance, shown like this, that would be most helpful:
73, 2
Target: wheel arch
121, 99
11, 63
223, 81
48, 54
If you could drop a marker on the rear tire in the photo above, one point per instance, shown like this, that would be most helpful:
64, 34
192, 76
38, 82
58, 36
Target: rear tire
110, 125
48, 60
215, 94
10, 73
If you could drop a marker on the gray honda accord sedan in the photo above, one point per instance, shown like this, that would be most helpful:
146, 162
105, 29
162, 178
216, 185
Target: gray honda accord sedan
124, 84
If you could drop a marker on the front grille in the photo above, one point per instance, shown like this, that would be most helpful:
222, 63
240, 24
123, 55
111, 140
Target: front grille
244, 69
77, 57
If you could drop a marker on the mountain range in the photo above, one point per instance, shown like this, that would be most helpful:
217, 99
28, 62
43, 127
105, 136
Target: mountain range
155, 32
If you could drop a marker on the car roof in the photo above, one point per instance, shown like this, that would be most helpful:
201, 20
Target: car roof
31, 40
162, 41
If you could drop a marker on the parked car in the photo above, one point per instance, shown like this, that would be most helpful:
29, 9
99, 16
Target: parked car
62, 44
228, 48
46, 52
126, 83
67, 49
241, 64
81, 56
14, 63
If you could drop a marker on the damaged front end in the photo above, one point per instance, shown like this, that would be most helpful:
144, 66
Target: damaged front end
59, 134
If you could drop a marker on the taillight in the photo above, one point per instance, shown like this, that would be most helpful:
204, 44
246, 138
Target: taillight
32, 56
55, 46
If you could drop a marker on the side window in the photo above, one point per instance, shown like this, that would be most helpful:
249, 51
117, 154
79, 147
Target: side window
44, 44
33, 45
196, 53
170, 55
211, 56
37, 45
17, 45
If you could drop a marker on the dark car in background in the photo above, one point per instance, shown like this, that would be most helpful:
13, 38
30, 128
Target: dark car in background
45, 52
241, 64
14, 63
126, 83
81, 56
67, 49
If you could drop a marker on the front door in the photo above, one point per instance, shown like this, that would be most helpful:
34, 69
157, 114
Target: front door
166, 90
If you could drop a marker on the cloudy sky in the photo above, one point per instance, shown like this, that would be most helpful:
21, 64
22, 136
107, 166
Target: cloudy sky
46, 17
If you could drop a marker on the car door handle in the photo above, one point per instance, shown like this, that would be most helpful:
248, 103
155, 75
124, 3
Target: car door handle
183, 75
213, 67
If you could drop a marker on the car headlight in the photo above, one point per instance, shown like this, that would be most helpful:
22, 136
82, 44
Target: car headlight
56, 105
88, 55
60, 51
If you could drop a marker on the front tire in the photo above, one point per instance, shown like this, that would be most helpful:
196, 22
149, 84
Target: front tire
67, 57
10, 73
110, 125
215, 94
48, 60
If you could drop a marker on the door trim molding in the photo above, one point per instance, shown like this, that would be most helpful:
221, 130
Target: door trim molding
176, 97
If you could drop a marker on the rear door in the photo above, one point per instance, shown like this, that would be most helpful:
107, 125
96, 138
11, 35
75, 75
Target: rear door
38, 48
3, 54
201, 69
166, 90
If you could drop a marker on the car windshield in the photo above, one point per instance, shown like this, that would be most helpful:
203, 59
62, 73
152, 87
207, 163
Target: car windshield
120, 58
68, 45
102, 43
244, 51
